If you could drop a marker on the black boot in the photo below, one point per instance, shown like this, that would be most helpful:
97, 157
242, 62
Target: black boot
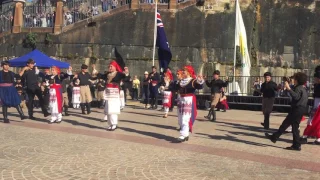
88, 105
213, 115
5, 114
102, 104
66, 111
266, 121
83, 108
209, 115
20, 112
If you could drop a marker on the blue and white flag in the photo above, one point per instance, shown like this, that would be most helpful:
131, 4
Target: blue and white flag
164, 52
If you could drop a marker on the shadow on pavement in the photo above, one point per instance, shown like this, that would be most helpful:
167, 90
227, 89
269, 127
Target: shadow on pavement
235, 139
150, 124
150, 134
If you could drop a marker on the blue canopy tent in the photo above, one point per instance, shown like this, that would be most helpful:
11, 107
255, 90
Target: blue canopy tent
40, 59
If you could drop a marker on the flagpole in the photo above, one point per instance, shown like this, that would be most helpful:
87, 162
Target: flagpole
235, 50
155, 32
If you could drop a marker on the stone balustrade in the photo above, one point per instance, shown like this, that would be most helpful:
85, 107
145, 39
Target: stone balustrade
59, 26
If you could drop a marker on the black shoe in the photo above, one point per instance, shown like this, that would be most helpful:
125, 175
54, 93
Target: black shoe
170, 110
293, 148
264, 126
32, 118
217, 110
6, 121
46, 114
316, 142
22, 116
270, 137
224, 110
82, 109
88, 106
303, 140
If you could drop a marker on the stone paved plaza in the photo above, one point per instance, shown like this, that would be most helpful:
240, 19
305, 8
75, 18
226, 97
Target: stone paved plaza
143, 147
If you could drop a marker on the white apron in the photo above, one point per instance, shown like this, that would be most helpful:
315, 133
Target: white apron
112, 97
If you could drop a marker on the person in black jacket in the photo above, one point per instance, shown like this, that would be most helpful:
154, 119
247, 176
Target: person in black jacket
154, 80
145, 89
127, 83
268, 90
298, 106
216, 85
30, 75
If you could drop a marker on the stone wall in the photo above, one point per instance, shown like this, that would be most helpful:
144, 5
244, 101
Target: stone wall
280, 34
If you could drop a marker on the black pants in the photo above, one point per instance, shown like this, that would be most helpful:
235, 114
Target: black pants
135, 94
35, 92
293, 119
146, 95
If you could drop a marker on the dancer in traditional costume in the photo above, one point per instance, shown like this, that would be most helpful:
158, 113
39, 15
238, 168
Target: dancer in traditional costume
313, 128
167, 87
85, 92
112, 95
8, 93
176, 90
187, 105
56, 97
216, 85
76, 97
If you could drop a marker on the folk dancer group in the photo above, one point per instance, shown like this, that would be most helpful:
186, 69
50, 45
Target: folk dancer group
185, 86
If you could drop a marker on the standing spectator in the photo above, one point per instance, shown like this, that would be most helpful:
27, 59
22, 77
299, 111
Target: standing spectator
145, 89
34, 21
257, 86
69, 18
114, 3
104, 4
135, 87
154, 80
127, 83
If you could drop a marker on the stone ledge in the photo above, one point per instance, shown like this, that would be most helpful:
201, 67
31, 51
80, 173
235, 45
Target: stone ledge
38, 29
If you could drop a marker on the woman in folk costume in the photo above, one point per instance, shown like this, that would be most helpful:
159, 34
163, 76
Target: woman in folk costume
313, 128
55, 92
167, 87
176, 84
187, 105
112, 95
76, 97
9, 96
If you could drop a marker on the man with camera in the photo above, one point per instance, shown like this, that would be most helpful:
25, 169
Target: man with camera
298, 106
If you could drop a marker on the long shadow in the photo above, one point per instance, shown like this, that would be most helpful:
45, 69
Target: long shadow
243, 127
150, 124
85, 117
36, 119
151, 134
234, 139
76, 123
252, 135
152, 115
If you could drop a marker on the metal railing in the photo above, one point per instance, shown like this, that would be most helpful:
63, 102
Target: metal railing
153, 1
38, 16
77, 10
6, 19
252, 85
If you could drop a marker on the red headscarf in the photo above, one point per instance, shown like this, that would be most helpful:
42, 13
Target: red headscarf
190, 70
57, 69
116, 65
169, 75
